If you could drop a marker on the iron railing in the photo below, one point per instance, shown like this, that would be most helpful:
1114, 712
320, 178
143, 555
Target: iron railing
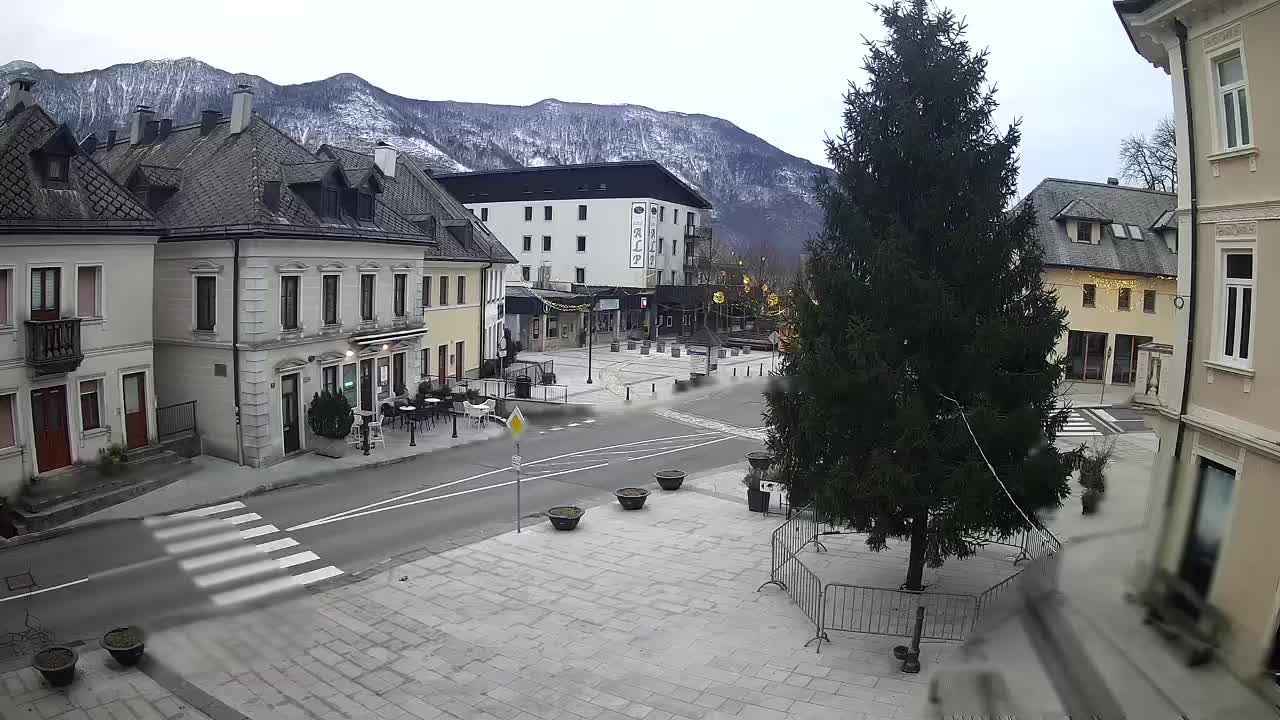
697, 232
508, 389
175, 420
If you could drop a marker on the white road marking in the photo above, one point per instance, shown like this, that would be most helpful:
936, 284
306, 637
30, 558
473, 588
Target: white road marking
45, 590
558, 427
326, 521
218, 558
259, 531
242, 519
255, 591
204, 543
194, 528
1105, 415
275, 545
664, 452
239, 572
574, 424
451, 483
323, 573
199, 512
297, 559
589, 421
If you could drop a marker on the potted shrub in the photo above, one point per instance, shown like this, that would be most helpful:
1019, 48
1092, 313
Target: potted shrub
330, 415
57, 663
112, 459
631, 498
1089, 500
565, 517
669, 479
125, 644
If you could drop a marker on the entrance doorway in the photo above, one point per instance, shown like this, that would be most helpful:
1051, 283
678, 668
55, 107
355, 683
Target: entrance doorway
1125, 366
1208, 526
458, 363
49, 421
289, 413
442, 364
135, 410
1086, 354
366, 384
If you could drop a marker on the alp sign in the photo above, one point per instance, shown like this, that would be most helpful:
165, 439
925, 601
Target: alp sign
639, 233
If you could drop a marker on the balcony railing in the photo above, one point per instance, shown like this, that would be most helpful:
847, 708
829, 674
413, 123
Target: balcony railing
53, 346
697, 232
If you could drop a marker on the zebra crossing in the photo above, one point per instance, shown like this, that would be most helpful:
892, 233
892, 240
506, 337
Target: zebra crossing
235, 555
1077, 425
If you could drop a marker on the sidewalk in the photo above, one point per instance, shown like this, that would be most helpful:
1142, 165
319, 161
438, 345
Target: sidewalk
216, 479
1081, 394
651, 377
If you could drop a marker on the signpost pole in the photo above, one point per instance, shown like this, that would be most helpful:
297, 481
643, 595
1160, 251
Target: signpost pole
518, 486
591, 331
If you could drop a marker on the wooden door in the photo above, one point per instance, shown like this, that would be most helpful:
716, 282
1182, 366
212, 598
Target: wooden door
442, 364
135, 410
366, 384
289, 413
458, 363
49, 422
46, 294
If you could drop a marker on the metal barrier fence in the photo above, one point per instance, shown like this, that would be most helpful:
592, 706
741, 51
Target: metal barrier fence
506, 389
887, 611
174, 420
883, 611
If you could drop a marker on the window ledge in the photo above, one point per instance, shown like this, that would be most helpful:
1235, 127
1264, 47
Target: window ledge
204, 334
96, 432
92, 320
1245, 151
1227, 368
291, 334
9, 452
8, 329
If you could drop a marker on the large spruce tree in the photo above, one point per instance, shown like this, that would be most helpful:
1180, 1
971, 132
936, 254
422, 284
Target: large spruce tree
922, 288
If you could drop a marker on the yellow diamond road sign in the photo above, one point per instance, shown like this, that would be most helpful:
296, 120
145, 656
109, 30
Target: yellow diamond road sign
516, 422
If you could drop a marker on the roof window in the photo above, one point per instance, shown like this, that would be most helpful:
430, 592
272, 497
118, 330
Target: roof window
1118, 230
1135, 232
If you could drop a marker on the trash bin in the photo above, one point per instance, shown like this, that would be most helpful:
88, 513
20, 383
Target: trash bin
524, 387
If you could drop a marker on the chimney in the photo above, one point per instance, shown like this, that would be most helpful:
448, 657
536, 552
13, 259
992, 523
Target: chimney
241, 109
111, 138
208, 121
89, 144
384, 156
1113, 181
166, 125
19, 96
150, 131
141, 115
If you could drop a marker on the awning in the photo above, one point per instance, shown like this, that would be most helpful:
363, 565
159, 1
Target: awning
383, 337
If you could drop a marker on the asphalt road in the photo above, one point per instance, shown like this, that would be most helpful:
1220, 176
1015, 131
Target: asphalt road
155, 571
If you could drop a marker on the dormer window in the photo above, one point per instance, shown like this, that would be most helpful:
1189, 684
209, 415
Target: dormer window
364, 206
1084, 232
329, 208
57, 168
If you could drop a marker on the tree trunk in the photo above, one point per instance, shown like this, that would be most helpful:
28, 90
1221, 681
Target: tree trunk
919, 539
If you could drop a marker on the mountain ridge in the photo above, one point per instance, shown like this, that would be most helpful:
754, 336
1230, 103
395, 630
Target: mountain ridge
763, 195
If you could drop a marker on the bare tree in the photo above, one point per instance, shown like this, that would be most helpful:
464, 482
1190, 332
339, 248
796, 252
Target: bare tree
1152, 161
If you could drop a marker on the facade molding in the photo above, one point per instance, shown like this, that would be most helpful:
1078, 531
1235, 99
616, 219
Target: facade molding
204, 267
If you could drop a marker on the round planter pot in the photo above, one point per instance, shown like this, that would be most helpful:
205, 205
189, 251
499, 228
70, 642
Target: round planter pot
57, 663
669, 479
760, 460
631, 498
565, 517
662, 346
125, 645
757, 500
631, 344
614, 347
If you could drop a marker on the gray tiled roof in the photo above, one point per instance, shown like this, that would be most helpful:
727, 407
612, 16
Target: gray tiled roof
90, 200
1116, 203
416, 195
1080, 209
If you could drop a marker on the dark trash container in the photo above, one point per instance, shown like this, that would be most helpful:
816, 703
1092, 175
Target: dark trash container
524, 386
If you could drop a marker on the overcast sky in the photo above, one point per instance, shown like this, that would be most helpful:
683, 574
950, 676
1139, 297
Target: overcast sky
776, 69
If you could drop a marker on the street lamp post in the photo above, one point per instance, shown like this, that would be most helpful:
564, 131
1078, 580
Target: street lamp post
591, 331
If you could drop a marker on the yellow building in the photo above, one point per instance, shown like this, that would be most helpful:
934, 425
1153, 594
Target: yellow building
1214, 401
1111, 254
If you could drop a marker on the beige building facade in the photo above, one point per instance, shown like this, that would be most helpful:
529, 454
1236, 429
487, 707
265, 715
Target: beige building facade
1215, 398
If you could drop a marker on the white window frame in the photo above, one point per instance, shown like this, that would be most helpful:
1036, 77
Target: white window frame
195, 300
15, 414
407, 304
1088, 240
1219, 91
280, 304
100, 281
526, 273
1220, 315
337, 371
103, 425
9, 324
580, 272
580, 243
337, 304
373, 297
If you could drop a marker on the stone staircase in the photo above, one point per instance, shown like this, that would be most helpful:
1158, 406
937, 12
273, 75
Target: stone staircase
83, 489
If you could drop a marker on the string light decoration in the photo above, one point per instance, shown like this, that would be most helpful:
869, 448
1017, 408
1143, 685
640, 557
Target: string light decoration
718, 298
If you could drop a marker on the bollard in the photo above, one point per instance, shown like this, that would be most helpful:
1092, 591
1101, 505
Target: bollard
911, 661
628, 393
653, 387
761, 373
748, 371
364, 434
735, 372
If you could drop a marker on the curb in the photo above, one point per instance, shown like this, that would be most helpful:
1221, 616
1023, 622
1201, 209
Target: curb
259, 490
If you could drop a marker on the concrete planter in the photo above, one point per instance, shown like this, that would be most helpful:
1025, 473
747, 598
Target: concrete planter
662, 346
644, 349
631, 344
733, 351
722, 353
57, 664
670, 479
675, 352
565, 517
746, 350
631, 498
614, 346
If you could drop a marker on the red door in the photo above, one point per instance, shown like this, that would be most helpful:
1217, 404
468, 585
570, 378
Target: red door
135, 410
49, 422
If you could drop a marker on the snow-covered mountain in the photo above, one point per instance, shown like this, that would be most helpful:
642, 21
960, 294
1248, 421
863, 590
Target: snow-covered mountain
760, 192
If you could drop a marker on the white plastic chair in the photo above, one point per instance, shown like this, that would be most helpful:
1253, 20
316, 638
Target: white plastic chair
375, 433
476, 413
353, 436
492, 406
